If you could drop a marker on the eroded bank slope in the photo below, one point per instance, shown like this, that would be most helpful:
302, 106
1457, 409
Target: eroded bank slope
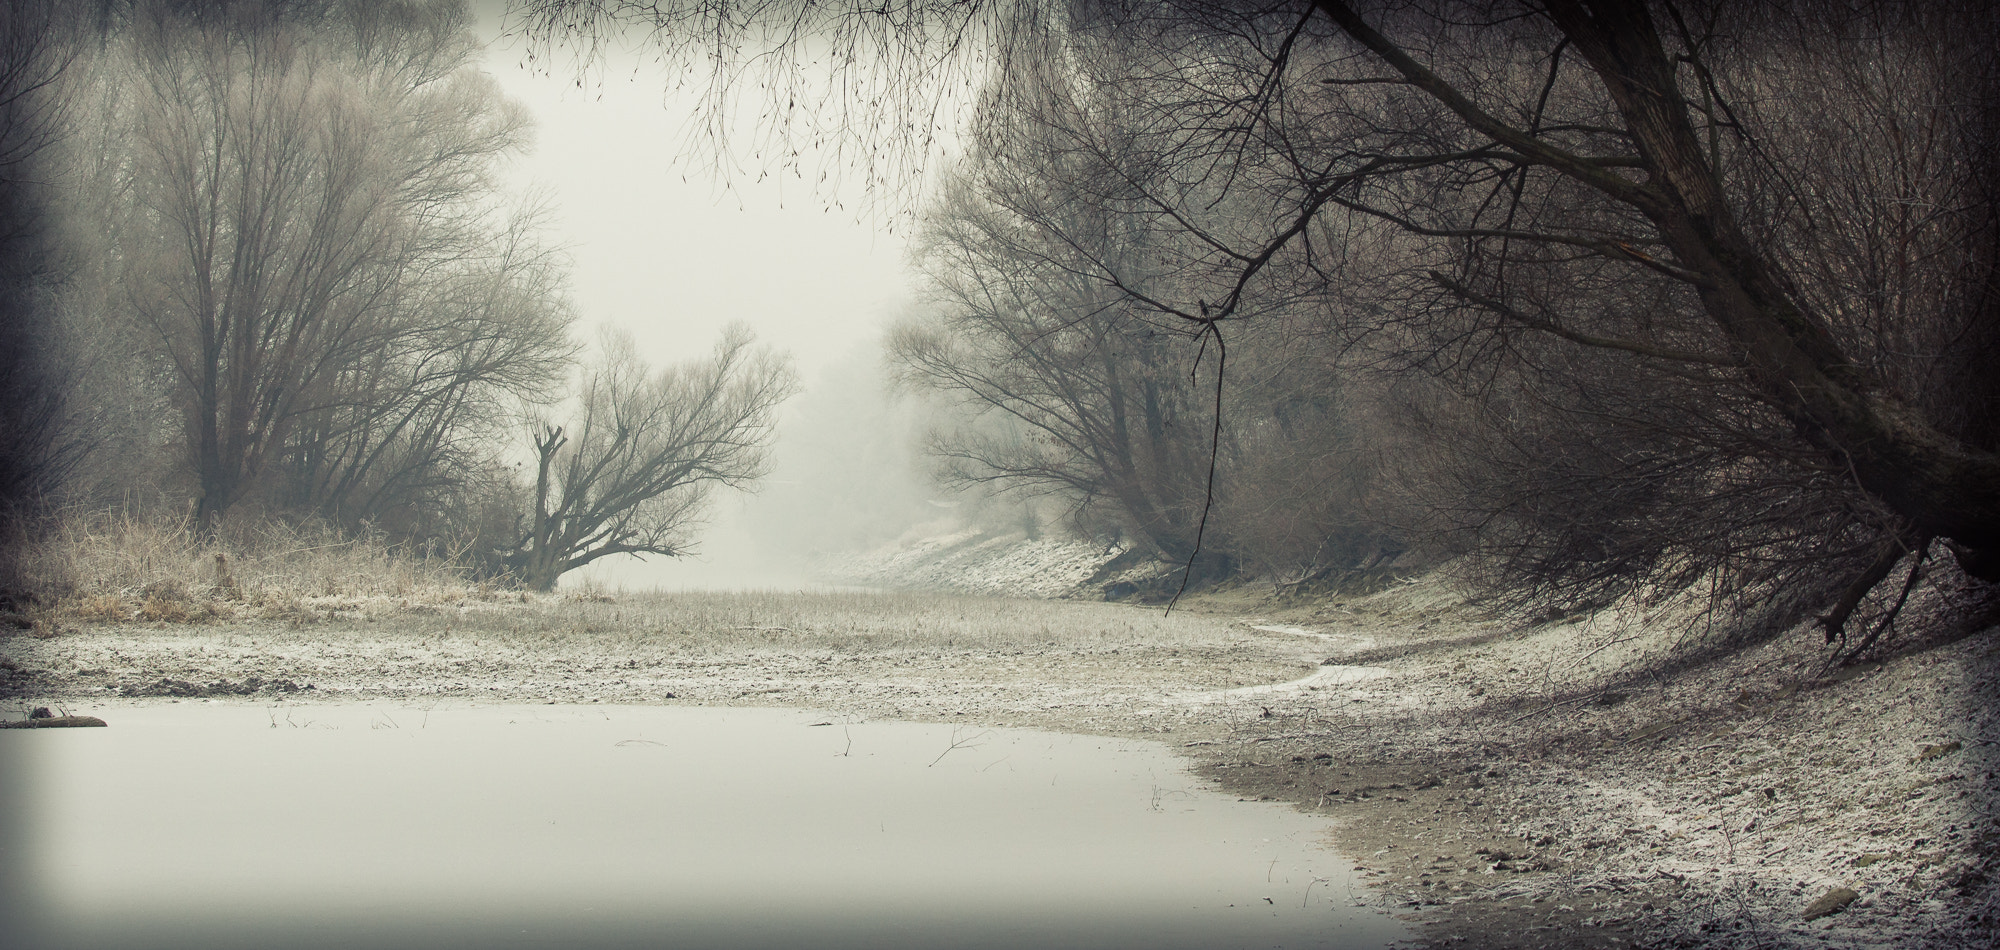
1624, 779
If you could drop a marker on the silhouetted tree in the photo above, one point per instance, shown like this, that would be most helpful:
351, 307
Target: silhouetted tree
1100, 406
631, 471
419, 416
1056, 247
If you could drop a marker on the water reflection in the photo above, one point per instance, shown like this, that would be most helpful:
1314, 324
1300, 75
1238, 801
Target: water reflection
213, 825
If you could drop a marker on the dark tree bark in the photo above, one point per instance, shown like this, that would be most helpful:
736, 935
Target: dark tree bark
34, 52
1940, 484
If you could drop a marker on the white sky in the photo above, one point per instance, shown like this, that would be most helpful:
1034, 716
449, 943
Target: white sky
665, 250
669, 253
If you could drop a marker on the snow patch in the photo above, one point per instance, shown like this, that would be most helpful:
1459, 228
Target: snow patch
1294, 631
975, 562
1321, 678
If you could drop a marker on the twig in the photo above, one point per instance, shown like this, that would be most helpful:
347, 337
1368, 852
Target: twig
1214, 447
957, 743
1554, 706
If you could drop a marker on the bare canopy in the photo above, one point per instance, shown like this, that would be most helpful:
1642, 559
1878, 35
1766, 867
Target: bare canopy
1515, 147
630, 471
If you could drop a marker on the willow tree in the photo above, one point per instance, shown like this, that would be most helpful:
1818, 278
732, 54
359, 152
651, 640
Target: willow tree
1753, 170
300, 174
632, 469
1094, 403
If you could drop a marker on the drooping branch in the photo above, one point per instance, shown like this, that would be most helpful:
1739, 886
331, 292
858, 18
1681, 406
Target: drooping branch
1533, 322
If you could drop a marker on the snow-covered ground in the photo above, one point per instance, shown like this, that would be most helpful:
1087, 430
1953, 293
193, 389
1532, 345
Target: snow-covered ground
1634, 776
975, 561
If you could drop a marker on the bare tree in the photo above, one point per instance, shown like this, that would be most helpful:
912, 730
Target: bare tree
1648, 163
1785, 207
633, 469
412, 420
294, 184
1101, 410
1080, 210
34, 51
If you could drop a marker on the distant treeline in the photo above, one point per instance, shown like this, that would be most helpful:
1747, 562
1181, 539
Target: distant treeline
1611, 296
278, 278
1615, 297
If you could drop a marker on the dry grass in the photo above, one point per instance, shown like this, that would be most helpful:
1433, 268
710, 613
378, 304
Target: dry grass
121, 568
125, 566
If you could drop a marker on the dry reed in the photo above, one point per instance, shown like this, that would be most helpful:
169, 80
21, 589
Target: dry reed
125, 565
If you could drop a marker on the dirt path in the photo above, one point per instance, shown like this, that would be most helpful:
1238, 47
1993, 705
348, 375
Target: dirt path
1587, 783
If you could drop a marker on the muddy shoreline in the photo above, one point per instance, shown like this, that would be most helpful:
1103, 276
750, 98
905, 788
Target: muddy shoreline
1503, 786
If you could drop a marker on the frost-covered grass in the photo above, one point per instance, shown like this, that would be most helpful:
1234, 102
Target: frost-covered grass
868, 654
116, 568
837, 622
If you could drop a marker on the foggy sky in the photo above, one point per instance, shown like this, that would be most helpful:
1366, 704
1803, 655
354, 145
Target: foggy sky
670, 252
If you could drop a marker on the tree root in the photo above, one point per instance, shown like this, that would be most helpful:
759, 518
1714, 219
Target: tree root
1834, 622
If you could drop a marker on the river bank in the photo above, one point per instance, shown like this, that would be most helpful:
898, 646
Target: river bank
1588, 782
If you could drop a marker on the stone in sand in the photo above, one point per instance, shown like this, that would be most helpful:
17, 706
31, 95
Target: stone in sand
1830, 903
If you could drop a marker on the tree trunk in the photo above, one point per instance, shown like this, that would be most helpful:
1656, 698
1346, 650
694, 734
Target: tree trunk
217, 491
1941, 485
539, 561
541, 572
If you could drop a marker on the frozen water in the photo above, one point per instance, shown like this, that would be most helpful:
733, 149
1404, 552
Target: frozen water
229, 825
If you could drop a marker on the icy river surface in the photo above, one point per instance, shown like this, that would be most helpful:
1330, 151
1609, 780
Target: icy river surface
197, 824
